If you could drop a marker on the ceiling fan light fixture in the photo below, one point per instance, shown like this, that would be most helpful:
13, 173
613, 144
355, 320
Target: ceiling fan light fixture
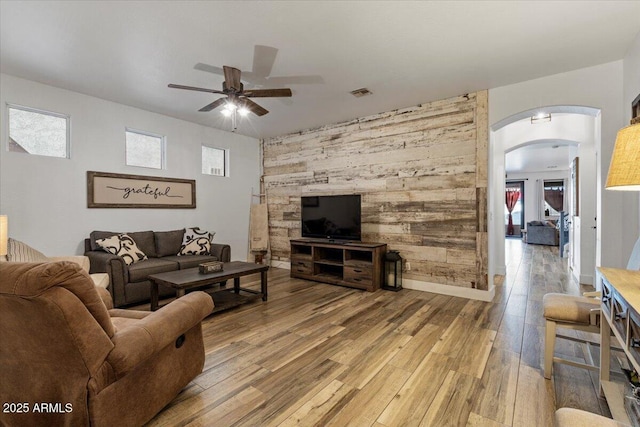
243, 111
540, 118
227, 112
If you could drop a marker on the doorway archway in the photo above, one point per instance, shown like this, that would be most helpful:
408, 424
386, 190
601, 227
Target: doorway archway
578, 125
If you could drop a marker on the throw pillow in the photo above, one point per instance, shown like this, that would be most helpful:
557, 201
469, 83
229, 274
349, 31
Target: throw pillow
123, 246
196, 242
21, 252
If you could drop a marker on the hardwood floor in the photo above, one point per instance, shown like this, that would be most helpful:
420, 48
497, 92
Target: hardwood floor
321, 355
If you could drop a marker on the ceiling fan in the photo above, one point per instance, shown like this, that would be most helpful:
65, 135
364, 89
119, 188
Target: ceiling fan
237, 98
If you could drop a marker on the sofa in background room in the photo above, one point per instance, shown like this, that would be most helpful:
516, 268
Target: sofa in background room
543, 233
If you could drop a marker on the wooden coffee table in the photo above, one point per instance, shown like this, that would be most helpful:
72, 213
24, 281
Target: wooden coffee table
184, 280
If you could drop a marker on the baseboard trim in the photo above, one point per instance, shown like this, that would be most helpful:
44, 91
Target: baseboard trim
281, 264
586, 279
419, 285
454, 291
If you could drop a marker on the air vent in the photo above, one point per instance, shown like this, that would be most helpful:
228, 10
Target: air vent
358, 93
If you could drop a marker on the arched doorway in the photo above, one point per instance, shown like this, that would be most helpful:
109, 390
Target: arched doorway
577, 125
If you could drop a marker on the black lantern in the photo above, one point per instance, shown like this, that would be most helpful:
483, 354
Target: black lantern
392, 271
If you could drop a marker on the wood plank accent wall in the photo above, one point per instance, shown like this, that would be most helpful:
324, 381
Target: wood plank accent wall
422, 173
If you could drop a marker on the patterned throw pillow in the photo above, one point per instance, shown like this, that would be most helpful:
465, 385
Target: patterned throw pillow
123, 246
196, 242
21, 252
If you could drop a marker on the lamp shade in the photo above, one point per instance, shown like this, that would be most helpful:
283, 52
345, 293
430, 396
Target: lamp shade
624, 170
4, 234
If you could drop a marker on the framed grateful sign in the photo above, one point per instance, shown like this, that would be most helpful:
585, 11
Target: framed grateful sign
114, 190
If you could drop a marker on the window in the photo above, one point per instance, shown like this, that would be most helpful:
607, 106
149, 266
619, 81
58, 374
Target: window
214, 161
553, 197
38, 132
517, 208
144, 149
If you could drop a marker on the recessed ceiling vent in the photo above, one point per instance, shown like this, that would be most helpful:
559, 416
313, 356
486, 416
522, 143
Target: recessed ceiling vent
359, 93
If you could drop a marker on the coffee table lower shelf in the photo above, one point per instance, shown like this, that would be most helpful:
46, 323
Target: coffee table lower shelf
226, 299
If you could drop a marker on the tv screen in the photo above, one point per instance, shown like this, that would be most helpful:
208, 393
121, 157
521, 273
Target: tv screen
331, 217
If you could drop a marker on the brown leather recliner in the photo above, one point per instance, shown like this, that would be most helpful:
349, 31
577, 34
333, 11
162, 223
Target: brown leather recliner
68, 359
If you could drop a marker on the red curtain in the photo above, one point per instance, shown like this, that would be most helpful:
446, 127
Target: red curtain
511, 198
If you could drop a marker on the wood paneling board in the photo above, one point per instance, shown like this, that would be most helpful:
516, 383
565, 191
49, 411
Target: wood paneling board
499, 384
417, 170
482, 143
450, 407
410, 403
482, 260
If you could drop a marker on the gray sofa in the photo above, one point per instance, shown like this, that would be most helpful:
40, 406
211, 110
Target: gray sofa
542, 233
129, 284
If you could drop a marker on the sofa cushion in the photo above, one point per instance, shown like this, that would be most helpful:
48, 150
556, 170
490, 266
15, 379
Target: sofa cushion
190, 261
141, 270
123, 246
145, 241
196, 242
21, 252
95, 235
168, 242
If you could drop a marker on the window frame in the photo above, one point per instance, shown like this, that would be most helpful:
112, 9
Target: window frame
225, 152
163, 147
66, 117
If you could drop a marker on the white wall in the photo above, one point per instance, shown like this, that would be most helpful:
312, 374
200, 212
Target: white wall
46, 198
598, 87
631, 89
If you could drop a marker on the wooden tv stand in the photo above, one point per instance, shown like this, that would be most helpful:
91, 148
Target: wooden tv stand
353, 264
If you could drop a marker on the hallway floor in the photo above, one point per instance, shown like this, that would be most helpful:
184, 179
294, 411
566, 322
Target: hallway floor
532, 271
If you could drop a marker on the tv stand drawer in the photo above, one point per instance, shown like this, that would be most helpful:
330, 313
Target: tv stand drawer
358, 274
301, 266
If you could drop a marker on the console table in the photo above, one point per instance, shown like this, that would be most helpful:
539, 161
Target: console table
353, 264
620, 316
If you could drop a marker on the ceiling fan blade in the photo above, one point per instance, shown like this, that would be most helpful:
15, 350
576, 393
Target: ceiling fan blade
208, 68
232, 78
214, 104
197, 89
253, 107
263, 60
267, 93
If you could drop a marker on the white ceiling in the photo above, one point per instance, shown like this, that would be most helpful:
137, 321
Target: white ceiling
406, 53
542, 156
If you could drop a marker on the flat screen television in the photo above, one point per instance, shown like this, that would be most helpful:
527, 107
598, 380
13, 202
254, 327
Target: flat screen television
331, 217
